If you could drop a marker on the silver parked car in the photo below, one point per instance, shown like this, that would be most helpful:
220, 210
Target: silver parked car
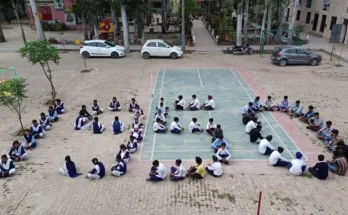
294, 55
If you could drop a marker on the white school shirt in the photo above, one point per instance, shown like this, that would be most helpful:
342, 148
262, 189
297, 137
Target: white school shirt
274, 157
180, 171
174, 125
195, 103
193, 125
245, 109
182, 103
163, 109
158, 126
209, 126
160, 116
97, 168
296, 168
269, 102
161, 171
210, 103
216, 167
263, 146
223, 152
251, 124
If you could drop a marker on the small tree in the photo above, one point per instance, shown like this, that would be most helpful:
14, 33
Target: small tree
12, 94
43, 53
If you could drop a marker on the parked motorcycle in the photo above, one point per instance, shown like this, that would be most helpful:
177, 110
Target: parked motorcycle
242, 49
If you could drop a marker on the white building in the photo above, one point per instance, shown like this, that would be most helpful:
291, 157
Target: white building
320, 16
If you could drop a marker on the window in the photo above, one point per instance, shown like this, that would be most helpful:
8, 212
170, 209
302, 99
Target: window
333, 21
109, 44
301, 51
298, 15
288, 15
151, 44
169, 44
308, 18
103, 45
291, 51
162, 45
309, 3
91, 44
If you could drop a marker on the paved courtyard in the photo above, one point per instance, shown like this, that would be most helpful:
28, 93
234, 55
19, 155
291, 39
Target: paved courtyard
37, 188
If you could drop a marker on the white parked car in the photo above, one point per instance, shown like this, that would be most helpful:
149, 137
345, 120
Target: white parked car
101, 48
160, 48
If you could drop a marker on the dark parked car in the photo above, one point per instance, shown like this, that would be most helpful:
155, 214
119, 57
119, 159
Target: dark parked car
294, 55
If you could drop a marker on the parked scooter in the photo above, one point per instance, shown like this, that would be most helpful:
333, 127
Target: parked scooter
242, 49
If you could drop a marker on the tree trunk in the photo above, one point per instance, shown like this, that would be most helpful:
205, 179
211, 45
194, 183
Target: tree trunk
20, 121
246, 17
95, 28
48, 75
143, 36
18, 20
183, 35
292, 21
125, 28
39, 32
84, 29
269, 21
239, 23
2, 36
115, 24
264, 20
164, 16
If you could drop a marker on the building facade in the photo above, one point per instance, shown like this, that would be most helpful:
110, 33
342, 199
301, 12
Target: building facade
326, 18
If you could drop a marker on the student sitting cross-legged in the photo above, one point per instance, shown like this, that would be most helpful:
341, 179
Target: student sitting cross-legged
37, 130
325, 134
81, 122
137, 123
138, 113
98, 171
29, 140
132, 144
175, 127
160, 115
59, 106
270, 105
117, 126
211, 126
120, 168
7, 167
223, 154
217, 133
177, 172
218, 142
84, 113
295, 110
251, 124
209, 104
297, 166
332, 144
158, 171
256, 106
247, 117
96, 110
164, 103
115, 105
194, 104
247, 107
124, 153
214, 169
45, 122
197, 171
137, 133
69, 168
162, 108
98, 128
52, 114
338, 165
158, 127
315, 123
306, 116
284, 104
276, 159
133, 105
180, 103
265, 147
321, 169
194, 127
255, 134
17, 152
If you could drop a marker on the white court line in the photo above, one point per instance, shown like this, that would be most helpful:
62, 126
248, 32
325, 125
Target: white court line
277, 122
154, 136
148, 114
199, 75
209, 114
242, 97
263, 115
151, 82
253, 160
204, 151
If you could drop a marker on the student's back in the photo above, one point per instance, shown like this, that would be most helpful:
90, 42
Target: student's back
101, 169
323, 170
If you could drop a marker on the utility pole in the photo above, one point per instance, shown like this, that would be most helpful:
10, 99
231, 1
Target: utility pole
39, 32
183, 37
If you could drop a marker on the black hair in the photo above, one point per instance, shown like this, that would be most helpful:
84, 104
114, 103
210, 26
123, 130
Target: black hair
194, 119
161, 98
257, 98
3, 156
58, 100
67, 158
133, 99
221, 137
298, 102
194, 96
280, 149
122, 146
158, 120
155, 163
269, 97
259, 127
96, 119
131, 137
199, 160
178, 161
321, 157
269, 137
34, 121
250, 104
218, 126
211, 120
310, 107
335, 131
95, 100
42, 114
285, 97
83, 106
316, 114
161, 103
114, 98
223, 144
116, 118
50, 107
14, 142
328, 123
215, 159
176, 119
95, 160
180, 97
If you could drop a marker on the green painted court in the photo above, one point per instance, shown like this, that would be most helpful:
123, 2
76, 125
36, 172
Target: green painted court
230, 93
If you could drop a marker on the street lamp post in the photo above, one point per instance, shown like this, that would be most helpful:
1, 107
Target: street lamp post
183, 25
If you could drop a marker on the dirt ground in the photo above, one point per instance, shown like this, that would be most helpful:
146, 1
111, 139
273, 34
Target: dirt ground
324, 86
